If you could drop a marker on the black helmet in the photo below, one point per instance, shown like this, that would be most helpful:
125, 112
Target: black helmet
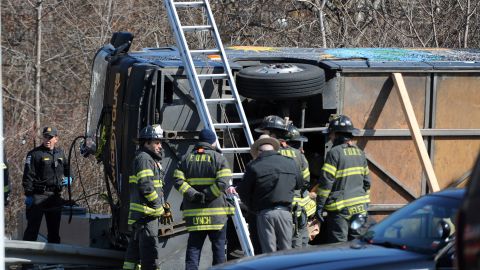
272, 123
151, 132
341, 123
294, 134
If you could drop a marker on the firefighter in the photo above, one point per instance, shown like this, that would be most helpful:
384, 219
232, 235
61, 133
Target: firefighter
267, 189
344, 185
303, 205
279, 128
146, 201
46, 172
6, 182
202, 177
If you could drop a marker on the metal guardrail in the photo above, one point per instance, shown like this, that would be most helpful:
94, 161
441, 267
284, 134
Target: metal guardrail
17, 252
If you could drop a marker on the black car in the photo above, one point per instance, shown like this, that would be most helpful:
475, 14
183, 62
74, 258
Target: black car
417, 236
468, 234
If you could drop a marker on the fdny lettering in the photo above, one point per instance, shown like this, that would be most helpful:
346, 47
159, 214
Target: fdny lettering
351, 151
202, 220
287, 153
200, 158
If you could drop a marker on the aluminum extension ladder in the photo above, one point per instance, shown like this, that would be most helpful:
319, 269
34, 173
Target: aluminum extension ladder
202, 103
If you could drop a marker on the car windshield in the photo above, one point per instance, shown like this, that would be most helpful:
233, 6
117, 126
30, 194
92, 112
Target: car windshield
415, 226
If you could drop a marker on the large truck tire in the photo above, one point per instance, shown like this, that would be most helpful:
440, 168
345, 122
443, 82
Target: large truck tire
281, 81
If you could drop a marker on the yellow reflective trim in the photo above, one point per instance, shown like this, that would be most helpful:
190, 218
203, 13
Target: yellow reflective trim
215, 190
179, 174
346, 203
132, 179
146, 210
351, 171
216, 227
131, 221
6, 188
323, 192
224, 173
200, 181
310, 207
306, 173
152, 196
184, 187
217, 211
329, 168
158, 183
129, 265
144, 173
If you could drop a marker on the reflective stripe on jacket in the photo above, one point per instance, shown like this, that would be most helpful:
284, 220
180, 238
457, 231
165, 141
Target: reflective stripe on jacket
204, 170
345, 180
146, 188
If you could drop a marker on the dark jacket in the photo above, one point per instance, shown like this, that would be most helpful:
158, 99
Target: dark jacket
345, 181
146, 187
44, 170
269, 181
207, 171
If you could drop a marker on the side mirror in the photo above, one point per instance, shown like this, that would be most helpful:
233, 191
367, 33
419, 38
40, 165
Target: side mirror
443, 229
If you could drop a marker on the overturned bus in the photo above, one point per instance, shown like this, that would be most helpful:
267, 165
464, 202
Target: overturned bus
132, 89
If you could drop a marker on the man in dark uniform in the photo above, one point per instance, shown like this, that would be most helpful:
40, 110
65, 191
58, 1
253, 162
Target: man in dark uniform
344, 185
278, 128
146, 201
202, 177
43, 179
267, 189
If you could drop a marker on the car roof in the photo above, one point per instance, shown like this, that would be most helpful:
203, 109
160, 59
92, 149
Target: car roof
456, 193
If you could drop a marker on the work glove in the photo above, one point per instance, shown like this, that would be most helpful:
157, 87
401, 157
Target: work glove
167, 216
198, 197
67, 181
28, 201
319, 213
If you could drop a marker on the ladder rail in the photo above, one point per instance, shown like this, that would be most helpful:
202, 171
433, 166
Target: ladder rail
203, 110
233, 87
189, 66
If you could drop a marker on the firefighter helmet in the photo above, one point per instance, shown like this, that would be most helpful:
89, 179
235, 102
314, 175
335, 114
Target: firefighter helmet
294, 134
151, 132
272, 123
341, 123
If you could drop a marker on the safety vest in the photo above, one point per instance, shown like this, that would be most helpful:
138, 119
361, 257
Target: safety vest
345, 180
204, 170
146, 188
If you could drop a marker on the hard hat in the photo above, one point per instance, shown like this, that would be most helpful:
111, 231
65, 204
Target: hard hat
341, 123
151, 132
272, 123
294, 134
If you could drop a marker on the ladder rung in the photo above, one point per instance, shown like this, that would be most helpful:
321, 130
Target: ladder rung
212, 76
236, 150
228, 125
189, 4
221, 100
205, 52
191, 28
